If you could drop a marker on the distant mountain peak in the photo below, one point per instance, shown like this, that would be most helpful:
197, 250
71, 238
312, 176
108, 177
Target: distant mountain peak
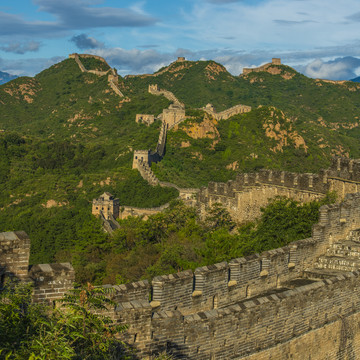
5, 77
357, 79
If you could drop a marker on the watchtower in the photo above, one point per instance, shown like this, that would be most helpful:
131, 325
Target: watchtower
276, 61
154, 88
107, 205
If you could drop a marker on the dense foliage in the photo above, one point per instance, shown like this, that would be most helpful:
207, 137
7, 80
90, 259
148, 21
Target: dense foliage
66, 137
71, 331
46, 189
177, 239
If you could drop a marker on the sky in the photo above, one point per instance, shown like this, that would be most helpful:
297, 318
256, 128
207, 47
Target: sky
320, 38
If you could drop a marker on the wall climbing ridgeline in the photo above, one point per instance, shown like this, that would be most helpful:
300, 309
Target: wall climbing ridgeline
226, 114
112, 74
275, 61
260, 306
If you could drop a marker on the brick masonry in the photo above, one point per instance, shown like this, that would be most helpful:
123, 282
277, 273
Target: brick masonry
51, 281
281, 304
258, 307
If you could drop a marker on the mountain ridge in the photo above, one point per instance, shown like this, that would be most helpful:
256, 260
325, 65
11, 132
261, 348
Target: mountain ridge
67, 137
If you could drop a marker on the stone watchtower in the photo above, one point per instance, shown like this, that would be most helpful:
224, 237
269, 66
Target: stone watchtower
154, 88
276, 61
107, 205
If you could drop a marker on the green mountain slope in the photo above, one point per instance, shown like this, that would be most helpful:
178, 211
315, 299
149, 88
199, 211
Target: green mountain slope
66, 137
297, 123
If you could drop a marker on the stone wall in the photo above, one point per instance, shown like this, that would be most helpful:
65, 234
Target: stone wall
338, 340
14, 254
127, 211
143, 159
112, 73
223, 115
173, 115
155, 90
258, 324
51, 281
114, 82
244, 196
275, 61
344, 176
252, 306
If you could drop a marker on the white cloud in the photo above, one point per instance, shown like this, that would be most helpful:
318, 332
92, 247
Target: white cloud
21, 48
338, 69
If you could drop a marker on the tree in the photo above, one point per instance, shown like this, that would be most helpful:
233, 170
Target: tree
75, 331
218, 217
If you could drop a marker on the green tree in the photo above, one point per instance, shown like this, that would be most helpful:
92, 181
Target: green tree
75, 331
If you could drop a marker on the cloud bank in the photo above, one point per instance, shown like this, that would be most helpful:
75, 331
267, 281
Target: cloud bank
21, 48
72, 15
338, 69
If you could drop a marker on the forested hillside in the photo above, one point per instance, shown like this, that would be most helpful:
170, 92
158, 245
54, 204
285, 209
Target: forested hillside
66, 137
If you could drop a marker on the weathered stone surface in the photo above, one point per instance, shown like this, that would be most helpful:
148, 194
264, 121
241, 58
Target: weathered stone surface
51, 281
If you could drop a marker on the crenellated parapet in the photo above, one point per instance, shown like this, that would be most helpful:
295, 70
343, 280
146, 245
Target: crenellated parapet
215, 285
226, 114
244, 196
51, 281
14, 255
250, 308
274, 61
230, 309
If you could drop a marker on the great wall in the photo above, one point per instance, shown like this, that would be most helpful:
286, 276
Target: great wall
274, 61
302, 299
111, 73
298, 302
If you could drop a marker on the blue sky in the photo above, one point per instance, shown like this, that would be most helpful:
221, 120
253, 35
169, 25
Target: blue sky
317, 37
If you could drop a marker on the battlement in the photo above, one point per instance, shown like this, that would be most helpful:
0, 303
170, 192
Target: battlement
274, 61
244, 196
248, 276
345, 168
14, 254
257, 295
224, 115
51, 281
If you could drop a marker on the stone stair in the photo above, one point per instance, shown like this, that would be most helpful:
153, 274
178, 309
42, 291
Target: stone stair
341, 256
160, 147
